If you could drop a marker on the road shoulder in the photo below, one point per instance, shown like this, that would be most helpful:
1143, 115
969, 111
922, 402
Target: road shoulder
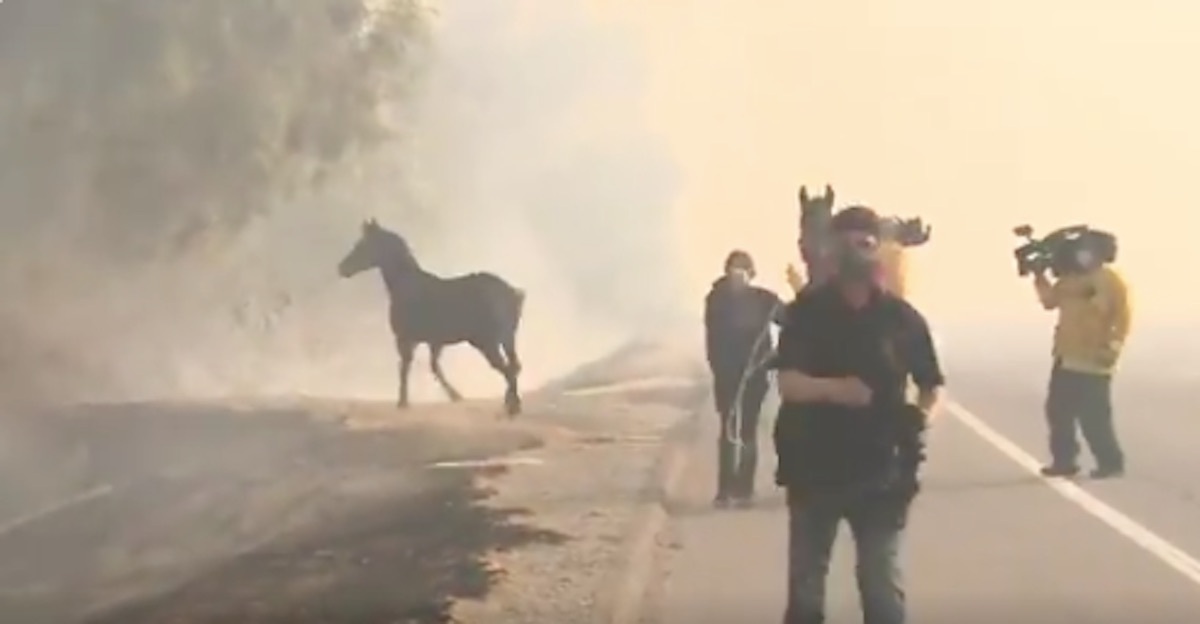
593, 484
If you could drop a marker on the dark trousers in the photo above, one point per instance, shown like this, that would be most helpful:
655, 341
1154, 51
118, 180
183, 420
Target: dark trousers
736, 467
1081, 401
877, 525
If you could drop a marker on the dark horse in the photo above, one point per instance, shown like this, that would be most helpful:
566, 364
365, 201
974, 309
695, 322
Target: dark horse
816, 213
480, 309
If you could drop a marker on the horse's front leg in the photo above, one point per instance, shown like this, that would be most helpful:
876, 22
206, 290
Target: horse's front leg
435, 365
405, 350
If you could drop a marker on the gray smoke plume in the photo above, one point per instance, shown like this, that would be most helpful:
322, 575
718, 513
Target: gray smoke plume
178, 180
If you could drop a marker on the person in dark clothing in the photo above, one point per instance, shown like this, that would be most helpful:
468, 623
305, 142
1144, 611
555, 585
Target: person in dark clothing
848, 441
737, 323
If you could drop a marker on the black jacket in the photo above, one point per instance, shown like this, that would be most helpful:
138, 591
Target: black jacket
884, 344
735, 319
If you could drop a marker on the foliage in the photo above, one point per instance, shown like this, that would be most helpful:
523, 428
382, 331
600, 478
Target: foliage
139, 126
135, 133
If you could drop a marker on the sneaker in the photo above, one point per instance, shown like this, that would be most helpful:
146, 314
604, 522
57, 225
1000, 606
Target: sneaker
1113, 472
1060, 471
722, 502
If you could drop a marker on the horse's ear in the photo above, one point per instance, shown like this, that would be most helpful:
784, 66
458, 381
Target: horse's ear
803, 195
829, 194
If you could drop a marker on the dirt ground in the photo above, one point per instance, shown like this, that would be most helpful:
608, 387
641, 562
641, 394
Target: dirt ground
307, 511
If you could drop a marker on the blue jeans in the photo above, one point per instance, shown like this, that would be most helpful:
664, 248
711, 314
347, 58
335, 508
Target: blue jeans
877, 524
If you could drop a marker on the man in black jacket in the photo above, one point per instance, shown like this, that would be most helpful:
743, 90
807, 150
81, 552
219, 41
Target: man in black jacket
848, 441
737, 323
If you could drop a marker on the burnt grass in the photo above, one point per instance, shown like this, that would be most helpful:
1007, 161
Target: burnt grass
401, 563
402, 557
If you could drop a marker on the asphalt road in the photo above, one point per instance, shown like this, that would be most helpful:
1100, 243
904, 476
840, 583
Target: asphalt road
989, 541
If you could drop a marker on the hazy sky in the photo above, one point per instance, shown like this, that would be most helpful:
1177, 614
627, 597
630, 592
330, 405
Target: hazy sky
976, 115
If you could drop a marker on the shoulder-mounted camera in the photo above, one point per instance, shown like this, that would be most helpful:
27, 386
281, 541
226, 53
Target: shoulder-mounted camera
908, 232
1057, 251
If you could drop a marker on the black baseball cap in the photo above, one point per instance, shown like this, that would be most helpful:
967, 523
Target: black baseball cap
857, 219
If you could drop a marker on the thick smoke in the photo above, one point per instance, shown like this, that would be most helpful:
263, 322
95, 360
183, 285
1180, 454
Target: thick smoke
535, 147
180, 178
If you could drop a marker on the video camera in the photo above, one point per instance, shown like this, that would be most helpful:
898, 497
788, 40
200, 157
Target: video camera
1056, 251
908, 232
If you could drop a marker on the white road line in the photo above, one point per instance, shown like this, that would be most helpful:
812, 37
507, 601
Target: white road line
59, 505
493, 462
1147, 540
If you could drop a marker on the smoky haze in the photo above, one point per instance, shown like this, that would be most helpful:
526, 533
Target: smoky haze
180, 179
978, 117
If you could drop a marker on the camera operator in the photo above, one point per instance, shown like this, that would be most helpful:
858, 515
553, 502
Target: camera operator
1094, 317
849, 444
896, 237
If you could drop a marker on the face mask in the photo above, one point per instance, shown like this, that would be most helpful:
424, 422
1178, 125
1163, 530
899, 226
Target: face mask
855, 265
1085, 258
738, 277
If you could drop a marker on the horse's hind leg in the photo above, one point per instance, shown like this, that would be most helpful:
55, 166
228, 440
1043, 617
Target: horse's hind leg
435, 365
495, 357
405, 350
509, 345
513, 374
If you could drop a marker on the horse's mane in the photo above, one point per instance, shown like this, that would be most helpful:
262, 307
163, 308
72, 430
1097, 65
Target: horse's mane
398, 248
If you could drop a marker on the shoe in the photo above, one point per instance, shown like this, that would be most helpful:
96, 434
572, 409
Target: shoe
722, 502
1113, 472
1060, 471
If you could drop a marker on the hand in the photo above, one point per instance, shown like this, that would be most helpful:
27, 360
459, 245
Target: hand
795, 278
851, 392
1109, 355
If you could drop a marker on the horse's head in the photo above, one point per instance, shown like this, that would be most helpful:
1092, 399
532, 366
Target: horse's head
377, 247
816, 213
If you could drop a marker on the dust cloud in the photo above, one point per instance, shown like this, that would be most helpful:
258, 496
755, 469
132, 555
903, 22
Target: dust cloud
180, 179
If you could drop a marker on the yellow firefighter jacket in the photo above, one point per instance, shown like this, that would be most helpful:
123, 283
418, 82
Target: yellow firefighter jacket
1094, 317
